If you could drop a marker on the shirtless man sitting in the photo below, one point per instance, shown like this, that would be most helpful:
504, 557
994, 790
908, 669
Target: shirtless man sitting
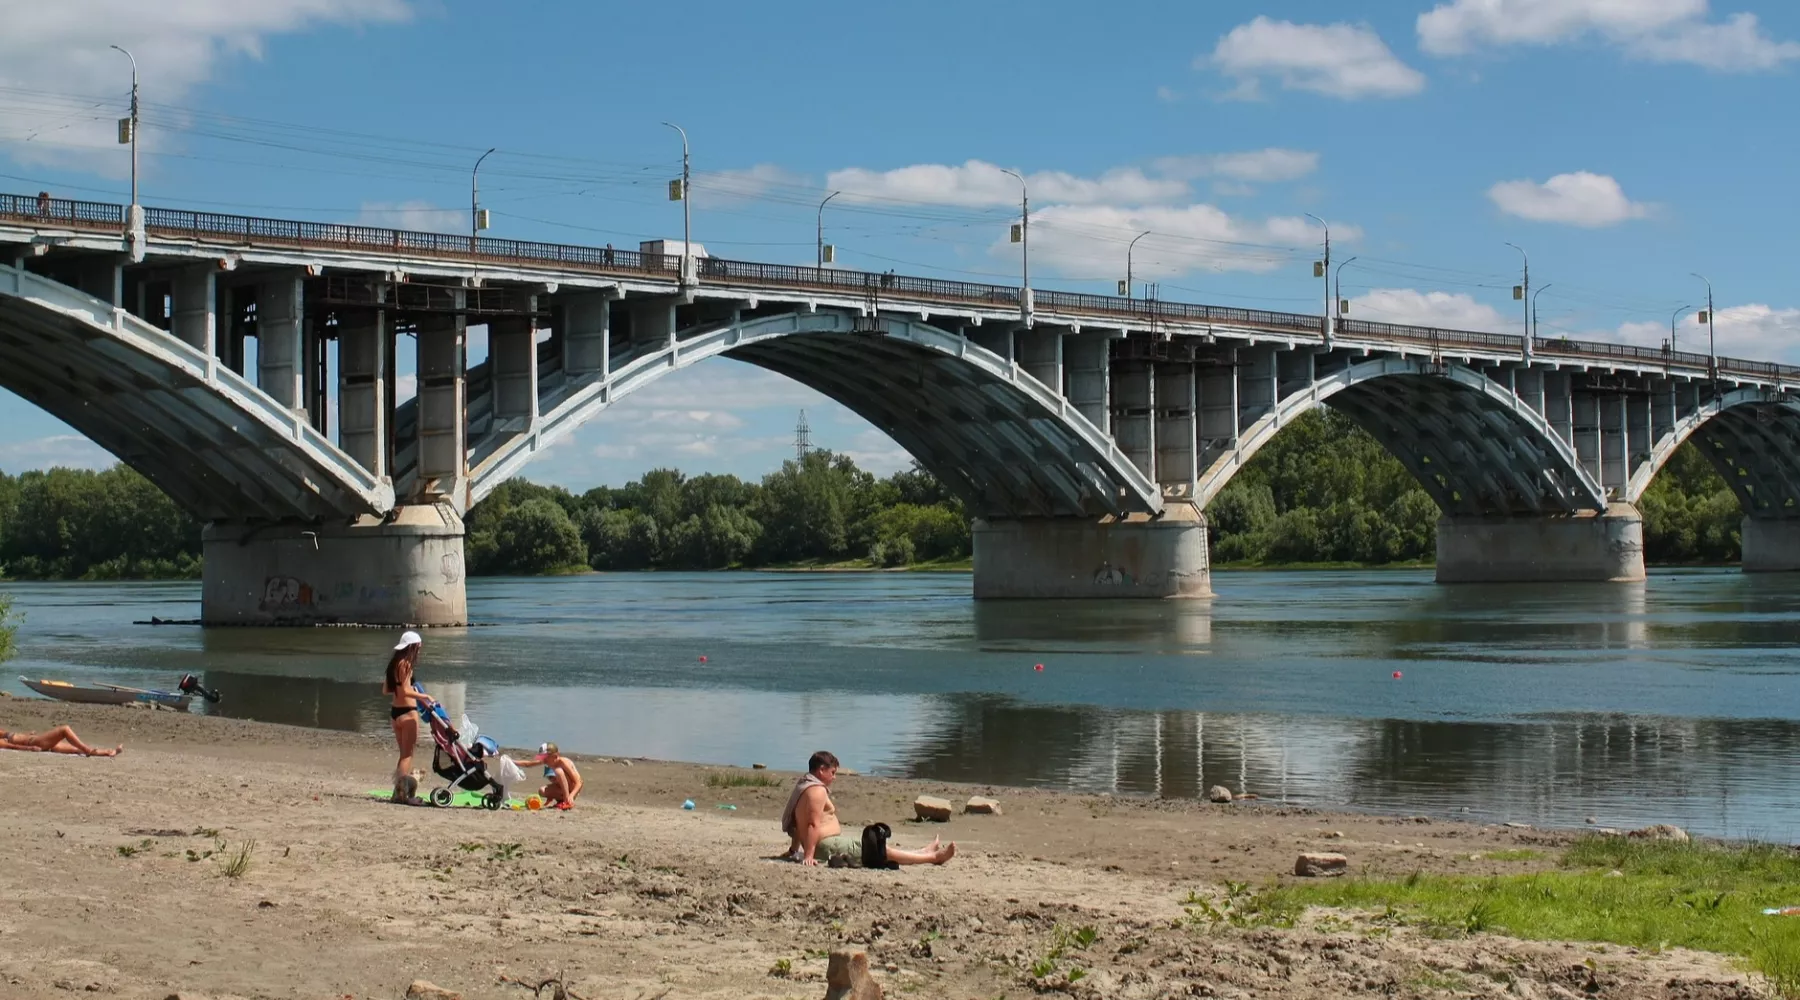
565, 781
62, 739
811, 823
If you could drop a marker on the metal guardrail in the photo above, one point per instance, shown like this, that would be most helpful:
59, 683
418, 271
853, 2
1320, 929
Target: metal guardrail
179, 224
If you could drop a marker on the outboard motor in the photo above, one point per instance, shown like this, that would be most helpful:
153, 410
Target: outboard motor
191, 685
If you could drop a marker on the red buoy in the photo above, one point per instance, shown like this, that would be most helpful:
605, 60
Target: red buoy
1396, 675
703, 660
1039, 668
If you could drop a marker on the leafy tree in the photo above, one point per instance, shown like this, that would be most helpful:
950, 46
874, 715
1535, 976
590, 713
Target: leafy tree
537, 537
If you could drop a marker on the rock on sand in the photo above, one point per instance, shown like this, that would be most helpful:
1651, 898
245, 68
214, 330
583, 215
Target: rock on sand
983, 805
1661, 831
423, 990
1218, 793
932, 808
1311, 865
847, 977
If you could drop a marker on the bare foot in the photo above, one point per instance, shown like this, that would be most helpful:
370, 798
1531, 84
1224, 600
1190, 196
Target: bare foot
114, 752
944, 853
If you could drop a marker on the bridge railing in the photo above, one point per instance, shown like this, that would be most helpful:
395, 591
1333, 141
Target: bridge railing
30, 208
103, 216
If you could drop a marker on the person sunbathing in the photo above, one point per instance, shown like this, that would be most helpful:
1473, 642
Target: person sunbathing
62, 739
810, 820
564, 780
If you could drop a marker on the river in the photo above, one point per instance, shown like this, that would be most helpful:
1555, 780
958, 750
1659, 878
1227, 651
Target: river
1672, 701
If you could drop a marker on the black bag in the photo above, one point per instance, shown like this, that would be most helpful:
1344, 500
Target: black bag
874, 846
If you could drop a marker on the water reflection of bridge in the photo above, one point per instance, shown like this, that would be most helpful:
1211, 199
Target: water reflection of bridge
1559, 770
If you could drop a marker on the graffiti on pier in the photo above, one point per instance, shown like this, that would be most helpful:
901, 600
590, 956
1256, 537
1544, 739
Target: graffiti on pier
287, 593
1112, 576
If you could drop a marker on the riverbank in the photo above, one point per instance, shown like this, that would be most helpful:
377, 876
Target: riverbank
118, 879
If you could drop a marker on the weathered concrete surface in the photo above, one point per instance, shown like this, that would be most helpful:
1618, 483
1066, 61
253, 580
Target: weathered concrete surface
1139, 557
1605, 547
1771, 546
408, 571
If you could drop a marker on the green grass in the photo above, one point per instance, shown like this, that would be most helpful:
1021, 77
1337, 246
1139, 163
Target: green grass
1668, 895
1514, 854
717, 780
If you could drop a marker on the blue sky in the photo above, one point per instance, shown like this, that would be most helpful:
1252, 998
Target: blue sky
1623, 145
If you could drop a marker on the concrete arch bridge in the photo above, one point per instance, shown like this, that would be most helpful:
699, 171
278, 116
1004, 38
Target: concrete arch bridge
1086, 433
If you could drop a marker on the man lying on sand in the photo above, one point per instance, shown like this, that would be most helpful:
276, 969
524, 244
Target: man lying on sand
62, 739
811, 823
565, 781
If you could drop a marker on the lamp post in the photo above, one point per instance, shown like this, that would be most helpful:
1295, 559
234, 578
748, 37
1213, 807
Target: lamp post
1534, 296
822, 205
134, 223
1521, 291
1712, 353
687, 240
1672, 318
1128, 249
1024, 231
1323, 270
1339, 282
475, 226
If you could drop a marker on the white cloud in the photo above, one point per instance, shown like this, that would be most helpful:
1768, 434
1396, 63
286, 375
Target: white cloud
732, 186
417, 216
977, 184
1085, 239
1260, 166
1757, 332
1347, 61
71, 451
875, 452
1670, 31
62, 48
1445, 310
681, 419
1577, 199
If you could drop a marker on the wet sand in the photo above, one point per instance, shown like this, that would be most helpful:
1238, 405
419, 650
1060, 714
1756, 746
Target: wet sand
108, 889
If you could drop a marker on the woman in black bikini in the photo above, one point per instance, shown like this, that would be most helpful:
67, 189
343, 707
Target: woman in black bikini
404, 710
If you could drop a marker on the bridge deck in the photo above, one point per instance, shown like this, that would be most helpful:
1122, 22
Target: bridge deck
237, 231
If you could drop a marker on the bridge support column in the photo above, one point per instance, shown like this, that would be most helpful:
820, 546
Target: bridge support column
1138, 557
1771, 545
1605, 547
194, 301
404, 571
365, 365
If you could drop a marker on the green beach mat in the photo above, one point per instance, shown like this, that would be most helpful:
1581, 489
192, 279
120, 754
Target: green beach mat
460, 800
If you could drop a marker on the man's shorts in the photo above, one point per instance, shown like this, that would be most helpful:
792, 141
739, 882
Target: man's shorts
840, 846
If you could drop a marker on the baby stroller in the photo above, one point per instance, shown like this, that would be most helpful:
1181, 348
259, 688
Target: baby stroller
464, 767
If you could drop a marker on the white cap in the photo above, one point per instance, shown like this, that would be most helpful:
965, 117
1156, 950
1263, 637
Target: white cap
408, 638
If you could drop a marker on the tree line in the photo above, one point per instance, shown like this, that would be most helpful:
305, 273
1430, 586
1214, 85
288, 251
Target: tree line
1322, 491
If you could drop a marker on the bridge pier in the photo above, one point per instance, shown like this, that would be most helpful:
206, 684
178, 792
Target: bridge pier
1138, 557
1771, 545
1606, 547
405, 570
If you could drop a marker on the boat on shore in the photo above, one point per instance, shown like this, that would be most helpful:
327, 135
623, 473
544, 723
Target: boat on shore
107, 694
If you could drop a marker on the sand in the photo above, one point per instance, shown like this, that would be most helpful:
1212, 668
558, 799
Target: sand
106, 887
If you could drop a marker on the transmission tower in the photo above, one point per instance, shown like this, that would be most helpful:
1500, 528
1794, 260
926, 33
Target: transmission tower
802, 439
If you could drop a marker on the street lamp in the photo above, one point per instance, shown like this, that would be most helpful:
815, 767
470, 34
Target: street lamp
1342, 306
1672, 318
1534, 296
476, 222
1712, 350
1022, 233
1125, 290
128, 132
1521, 291
822, 205
687, 245
1322, 269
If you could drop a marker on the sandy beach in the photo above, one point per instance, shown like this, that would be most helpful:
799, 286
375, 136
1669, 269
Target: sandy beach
109, 888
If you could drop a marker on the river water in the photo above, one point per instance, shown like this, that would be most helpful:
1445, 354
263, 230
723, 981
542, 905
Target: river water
1672, 701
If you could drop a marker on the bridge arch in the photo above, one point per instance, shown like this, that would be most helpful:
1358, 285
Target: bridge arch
1751, 437
1008, 445
1470, 442
215, 443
